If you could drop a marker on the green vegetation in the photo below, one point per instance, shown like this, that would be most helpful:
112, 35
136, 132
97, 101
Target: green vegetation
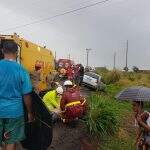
105, 115
124, 79
112, 121
116, 143
110, 77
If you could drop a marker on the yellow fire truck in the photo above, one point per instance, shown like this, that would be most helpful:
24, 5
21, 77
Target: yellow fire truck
30, 55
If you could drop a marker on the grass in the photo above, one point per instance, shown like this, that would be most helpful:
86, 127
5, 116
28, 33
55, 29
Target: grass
101, 117
124, 79
124, 139
105, 115
116, 143
110, 119
105, 120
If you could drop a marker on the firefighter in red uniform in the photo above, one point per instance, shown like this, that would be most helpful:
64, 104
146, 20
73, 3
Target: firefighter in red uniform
72, 103
70, 73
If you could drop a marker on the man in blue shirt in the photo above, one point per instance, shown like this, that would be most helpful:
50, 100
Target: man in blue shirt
15, 89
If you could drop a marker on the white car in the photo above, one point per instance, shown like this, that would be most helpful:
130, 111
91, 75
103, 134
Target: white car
92, 79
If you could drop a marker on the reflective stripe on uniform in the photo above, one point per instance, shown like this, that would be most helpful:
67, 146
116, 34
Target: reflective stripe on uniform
73, 103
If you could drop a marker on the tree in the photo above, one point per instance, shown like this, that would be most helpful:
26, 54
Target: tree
126, 69
135, 69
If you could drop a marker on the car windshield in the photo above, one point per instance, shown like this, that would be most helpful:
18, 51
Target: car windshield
93, 75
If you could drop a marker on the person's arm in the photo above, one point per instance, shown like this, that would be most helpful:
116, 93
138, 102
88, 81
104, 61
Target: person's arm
142, 123
82, 99
63, 103
138, 135
54, 103
26, 90
145, 126
28, 104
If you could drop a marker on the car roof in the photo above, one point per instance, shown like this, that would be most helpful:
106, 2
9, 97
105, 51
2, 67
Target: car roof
92, 74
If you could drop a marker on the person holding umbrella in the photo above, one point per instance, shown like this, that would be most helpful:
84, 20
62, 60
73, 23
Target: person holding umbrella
142, 122
142, 118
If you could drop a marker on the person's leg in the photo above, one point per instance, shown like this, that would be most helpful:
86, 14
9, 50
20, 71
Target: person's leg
16, 126
1, 132
54, 117
10, 146
146, 147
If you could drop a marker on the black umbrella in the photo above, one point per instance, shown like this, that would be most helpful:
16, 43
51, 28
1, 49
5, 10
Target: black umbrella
137, 93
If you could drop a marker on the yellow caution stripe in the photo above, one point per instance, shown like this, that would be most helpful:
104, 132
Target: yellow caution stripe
73, 103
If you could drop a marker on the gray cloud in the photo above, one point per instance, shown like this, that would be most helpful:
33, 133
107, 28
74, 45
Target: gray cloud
104, 28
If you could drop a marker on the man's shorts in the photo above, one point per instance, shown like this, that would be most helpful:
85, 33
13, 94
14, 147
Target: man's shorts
15, 126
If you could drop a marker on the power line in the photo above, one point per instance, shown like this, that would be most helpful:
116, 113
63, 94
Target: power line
34, 3
58, 15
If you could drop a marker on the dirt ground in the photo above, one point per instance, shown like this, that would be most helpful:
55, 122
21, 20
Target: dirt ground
67, 137
71, 138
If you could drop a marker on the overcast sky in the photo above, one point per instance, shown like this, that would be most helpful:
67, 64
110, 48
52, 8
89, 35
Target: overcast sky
104, 28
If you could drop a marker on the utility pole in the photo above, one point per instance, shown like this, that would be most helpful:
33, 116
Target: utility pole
126, 67
114, 60
127, 55
87, 53
69, 56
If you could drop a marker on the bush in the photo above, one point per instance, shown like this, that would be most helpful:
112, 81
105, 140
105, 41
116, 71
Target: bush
103, 116
139, 76
111, 77
148, 77
101, 70
131, 76
113, 89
